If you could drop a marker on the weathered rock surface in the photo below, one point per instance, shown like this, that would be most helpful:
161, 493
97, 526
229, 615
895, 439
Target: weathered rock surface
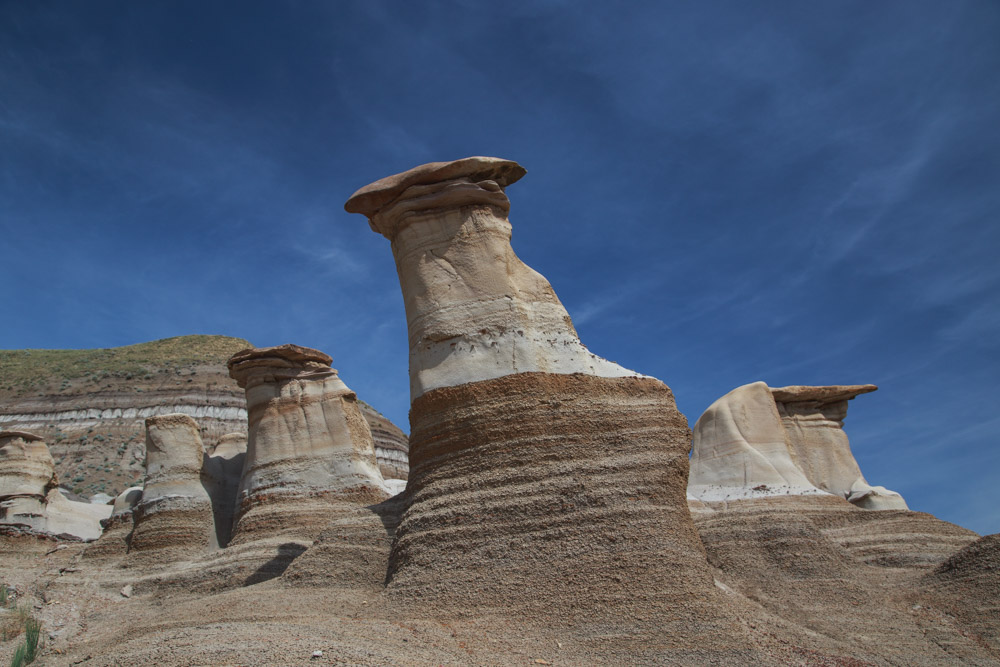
221, 474
771, 491
966, 587
175, 512
835, 579
310, 456
392, 446
27, 473
756, 441
474, 310
29, 493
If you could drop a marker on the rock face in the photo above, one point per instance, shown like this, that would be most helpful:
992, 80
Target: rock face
756, 442
813, 418
392, 447
536, 468
175, 511
29, 495
221, 474
308, 443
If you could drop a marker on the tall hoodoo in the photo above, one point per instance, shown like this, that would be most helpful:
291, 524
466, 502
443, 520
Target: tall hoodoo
474, 310
175, 511
308, 443
528, 454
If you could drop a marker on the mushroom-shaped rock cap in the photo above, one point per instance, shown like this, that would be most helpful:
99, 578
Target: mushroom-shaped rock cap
369, 199
293, 354
280, 356
820, 395
23, 435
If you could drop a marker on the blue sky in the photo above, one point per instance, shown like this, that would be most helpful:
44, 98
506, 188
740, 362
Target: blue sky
720, 192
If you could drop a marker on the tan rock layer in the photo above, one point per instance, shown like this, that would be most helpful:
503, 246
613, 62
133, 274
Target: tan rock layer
562, 494
835, 578
966, 587
26, 466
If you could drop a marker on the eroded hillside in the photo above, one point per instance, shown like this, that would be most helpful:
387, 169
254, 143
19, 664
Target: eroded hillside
89, 405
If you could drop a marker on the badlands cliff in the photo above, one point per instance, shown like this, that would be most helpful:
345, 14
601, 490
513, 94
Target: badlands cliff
551, 513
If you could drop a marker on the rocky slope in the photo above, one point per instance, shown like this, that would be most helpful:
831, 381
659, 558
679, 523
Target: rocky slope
89, 405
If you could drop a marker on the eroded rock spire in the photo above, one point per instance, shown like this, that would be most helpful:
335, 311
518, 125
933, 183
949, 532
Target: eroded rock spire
29, 493
175, 510
308, 443
474, 310
527, 452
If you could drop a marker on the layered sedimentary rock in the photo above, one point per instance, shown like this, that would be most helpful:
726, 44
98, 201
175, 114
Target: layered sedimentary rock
175, 512
813, 418
756, 441
842, 580
392, 448
474, 311
541, 476
90, 405
29, 495
781, 507
27, 474
308, 446
966, 587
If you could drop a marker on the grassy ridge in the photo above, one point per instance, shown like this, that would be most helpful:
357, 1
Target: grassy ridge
31, 367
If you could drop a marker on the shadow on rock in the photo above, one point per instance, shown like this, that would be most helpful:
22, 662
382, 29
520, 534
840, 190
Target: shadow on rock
276, 566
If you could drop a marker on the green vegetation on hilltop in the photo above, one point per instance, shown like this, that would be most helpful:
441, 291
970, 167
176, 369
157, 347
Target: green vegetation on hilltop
31, 367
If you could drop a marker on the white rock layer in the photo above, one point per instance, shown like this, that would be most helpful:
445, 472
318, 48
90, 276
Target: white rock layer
756, 442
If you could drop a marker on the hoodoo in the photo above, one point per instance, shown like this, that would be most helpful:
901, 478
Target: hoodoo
223, 469
27, 473
308, 445
539, 472
473, 309
175, 510
757, 441
30, 497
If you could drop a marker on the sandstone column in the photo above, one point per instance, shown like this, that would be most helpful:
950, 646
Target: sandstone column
541, 475
813, 418
27, 474
308, 444
175, 511
29, 493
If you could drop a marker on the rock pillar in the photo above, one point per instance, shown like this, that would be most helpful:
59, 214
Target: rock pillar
223, 470
813, 418
27, 474
308, 444
175, 510
541, 475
